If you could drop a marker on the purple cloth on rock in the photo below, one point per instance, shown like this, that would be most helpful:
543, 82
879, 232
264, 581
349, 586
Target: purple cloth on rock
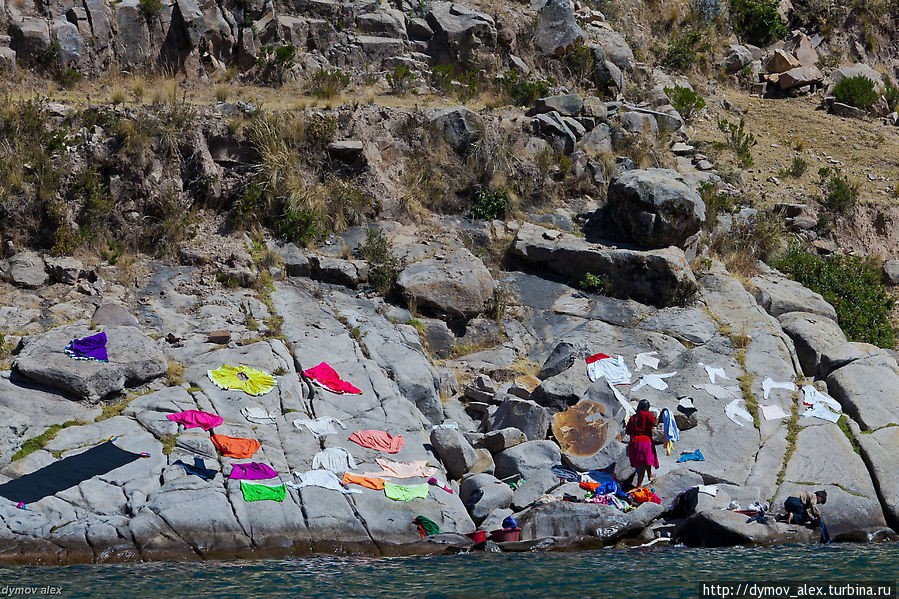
252, 471
194, 418
88, 348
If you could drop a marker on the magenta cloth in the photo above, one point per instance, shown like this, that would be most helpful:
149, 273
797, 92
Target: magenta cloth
328, 378
194, 418
252, 471
642, 453
88, 348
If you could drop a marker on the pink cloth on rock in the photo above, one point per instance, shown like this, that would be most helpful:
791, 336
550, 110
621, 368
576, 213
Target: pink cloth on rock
374, 439
252, 471
325, 376
195, 418
390, 469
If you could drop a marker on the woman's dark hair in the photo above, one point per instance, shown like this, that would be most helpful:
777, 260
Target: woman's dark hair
822, 496
643, 406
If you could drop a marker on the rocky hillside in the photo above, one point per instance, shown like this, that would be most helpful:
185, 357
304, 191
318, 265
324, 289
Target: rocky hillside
452, 205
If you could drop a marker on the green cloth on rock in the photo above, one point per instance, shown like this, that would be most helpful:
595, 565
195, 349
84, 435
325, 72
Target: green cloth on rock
253, 492
401, 493
426, 526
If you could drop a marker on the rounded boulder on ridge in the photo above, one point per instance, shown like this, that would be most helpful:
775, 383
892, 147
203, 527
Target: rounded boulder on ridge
655, 207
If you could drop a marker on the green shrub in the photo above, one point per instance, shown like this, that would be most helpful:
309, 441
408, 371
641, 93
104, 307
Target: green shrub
681, 51
488, 205
685, 100
581, 61
68, 78
470, 83
749, 240
797, 168
150, 9
852, 284
442, 74
757, 21
401, 80
383, 266
840, 194
715, 203
739, 140
856, 91
327, 83
523, 91
595, 283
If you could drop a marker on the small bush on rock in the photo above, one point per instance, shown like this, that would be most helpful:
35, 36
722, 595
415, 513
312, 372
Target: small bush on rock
856, 91
685, 100
327, 83
681, 52
488, 205
595, 283
758, 21
840, 194
852, 284
401, 80
739, 140
523, 91
383, 266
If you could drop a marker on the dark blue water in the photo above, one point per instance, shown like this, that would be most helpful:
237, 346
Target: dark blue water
656, 573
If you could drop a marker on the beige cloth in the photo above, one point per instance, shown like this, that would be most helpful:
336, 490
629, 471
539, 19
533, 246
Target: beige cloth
390, 469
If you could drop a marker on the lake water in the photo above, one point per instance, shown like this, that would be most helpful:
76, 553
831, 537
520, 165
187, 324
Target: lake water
621, 573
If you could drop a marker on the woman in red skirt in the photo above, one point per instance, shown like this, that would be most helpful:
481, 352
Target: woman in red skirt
640, 449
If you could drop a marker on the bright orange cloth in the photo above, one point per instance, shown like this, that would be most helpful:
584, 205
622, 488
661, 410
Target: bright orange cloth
235, 447
642, 495
369, 482
589, 486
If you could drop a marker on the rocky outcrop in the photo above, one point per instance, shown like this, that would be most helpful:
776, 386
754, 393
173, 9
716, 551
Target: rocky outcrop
134, 358
656, 207
813, 335
25, 269
557, 28
779, 295
455, 285
565, 519
658, 277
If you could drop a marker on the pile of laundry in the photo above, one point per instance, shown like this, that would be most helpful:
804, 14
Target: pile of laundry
600, 486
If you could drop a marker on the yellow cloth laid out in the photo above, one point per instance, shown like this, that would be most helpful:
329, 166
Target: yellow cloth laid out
242, 378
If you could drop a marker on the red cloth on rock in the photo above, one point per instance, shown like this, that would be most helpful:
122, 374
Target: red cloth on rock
326, 377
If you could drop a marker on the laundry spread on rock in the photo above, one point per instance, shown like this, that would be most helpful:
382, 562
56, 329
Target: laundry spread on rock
196, 418
320, 427
691, 456
656, 381
735, 410
369, 482
380, 440
259, 415
252, 471
646, 359
321, 478
390, 469
772, 412
235, 447
770, 384
426, 526
719, 391
197, 469
260, 492
612, 369
714, 373
405, 493
242, 378
327, 378
91, 348
335, 459
820, 405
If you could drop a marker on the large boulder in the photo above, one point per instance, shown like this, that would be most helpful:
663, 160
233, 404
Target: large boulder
525, 415
494, 495
456, 285
868, 390
615, 47
530, 461
656, 207
456, 453
562, 357
557, 28
567, 519
879, 451
134, 358
855, 70
781, 61
736, 58
64, 269
113, 315
800, 76
779, 295
502, 439
25, 269
812, 335
725, 528
458, 124
565, 104
459, 31
801, 47
658, 277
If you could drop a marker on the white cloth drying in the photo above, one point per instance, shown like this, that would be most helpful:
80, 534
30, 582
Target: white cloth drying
656, 381
335, 459
646, 359
613, 370
686, 403
720, 392
448, 425
708, 489
734, 409
713, 372
768, 384
320, 426
820, 410
628, 408
772, 412
811, 396
259, 415
320, 478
